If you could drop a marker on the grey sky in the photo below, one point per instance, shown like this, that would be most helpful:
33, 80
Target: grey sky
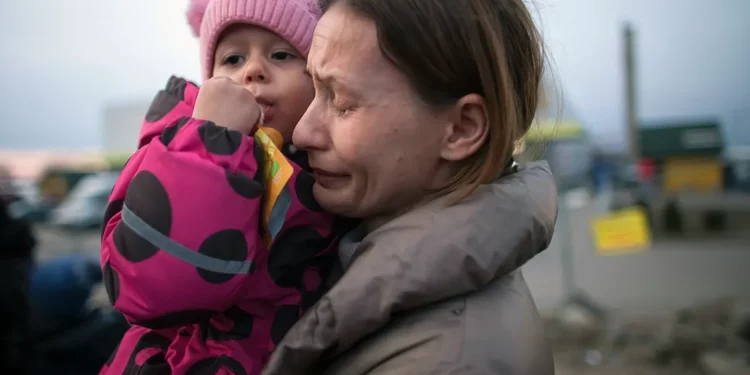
64, 60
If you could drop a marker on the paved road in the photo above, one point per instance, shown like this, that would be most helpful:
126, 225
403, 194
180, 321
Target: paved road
672, 274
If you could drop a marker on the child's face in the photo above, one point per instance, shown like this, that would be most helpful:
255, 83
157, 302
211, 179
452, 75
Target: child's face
271, 69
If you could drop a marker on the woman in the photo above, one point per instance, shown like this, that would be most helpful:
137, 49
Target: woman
418, 106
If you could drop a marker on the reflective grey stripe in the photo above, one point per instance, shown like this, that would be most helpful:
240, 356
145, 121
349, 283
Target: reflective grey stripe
278, 212
183, 253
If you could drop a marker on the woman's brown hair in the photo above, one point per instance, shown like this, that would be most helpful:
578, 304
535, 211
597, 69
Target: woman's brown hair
451, 48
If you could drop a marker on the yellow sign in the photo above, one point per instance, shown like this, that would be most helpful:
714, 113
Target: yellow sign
622, 232
699, 174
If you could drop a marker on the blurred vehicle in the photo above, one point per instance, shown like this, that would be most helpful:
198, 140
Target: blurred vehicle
689, 165
85, 205
22, 198
56, 184
737, 169
28, 204
27, 190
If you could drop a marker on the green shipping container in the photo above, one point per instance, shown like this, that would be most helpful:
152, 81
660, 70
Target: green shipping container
659, 141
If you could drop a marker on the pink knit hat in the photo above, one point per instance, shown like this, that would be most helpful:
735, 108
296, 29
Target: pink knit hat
293, 20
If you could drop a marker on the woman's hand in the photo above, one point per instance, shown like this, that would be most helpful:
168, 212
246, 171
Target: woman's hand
227, 104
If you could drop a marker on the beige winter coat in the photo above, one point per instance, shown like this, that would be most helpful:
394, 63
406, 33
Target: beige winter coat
436, 291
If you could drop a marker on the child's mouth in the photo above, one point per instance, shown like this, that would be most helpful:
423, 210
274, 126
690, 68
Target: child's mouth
267, 108
267, 113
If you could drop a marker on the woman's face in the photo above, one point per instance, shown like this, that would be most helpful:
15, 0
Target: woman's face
374, 147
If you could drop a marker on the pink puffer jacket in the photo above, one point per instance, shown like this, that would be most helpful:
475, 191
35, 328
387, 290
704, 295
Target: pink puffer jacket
210, 272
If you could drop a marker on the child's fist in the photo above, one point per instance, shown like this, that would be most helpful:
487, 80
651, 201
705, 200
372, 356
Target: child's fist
225, 103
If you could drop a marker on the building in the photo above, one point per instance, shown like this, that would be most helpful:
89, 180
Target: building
31, 165
687, 153
122, 122
558, 136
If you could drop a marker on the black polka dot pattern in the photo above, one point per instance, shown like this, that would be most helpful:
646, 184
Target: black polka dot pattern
156, 364
244, 185
304, 189
113, 355
112, 209
147, 198
166, 100
227, 244
111, 282
323, 266
168, 134
177, 319
215, 365
291, 252
283, 321
242, 326
253, 265
219, 140
260, 158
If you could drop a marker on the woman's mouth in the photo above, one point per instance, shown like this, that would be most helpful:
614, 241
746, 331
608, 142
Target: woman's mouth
329, 180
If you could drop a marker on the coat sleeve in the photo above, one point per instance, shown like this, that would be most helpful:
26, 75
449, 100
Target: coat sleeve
180, 232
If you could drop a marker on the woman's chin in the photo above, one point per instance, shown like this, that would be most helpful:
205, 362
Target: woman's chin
334, 200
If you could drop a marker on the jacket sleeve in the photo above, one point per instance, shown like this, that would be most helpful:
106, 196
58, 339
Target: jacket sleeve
181, 227
176, 100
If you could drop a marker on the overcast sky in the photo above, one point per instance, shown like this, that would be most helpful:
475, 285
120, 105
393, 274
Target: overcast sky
63, 61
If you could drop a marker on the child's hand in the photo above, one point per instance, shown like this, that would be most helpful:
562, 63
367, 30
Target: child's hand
225, 103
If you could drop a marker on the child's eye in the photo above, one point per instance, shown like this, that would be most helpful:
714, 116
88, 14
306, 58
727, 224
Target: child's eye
282, 56
233, 60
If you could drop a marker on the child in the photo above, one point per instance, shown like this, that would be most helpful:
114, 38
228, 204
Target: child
212, 244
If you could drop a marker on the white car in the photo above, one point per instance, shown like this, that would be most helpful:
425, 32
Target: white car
85, 205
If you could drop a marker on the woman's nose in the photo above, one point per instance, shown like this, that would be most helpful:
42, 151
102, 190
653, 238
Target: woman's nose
310, 132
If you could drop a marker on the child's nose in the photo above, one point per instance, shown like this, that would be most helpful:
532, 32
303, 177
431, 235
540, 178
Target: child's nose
254, 72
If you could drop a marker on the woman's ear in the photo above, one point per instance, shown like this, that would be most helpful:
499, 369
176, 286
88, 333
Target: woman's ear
467, 130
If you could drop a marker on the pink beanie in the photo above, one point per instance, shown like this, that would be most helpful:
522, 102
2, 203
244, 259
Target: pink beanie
293, 20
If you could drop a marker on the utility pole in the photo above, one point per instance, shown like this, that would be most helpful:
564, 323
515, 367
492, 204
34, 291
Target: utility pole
631, 111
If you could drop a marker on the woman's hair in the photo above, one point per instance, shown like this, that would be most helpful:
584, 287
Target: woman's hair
451, 48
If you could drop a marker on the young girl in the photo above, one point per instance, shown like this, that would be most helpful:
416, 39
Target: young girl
213, 245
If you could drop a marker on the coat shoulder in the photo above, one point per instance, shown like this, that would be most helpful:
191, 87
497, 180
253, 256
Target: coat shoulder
504, 331
496, 330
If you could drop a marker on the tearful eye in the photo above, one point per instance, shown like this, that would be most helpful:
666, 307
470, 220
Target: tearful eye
341, 112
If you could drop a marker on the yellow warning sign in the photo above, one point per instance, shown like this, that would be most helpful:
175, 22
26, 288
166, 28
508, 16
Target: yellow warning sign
622, 232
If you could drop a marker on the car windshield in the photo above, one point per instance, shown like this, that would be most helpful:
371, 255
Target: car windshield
97, 184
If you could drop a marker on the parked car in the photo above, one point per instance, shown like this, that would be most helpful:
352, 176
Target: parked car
85, 205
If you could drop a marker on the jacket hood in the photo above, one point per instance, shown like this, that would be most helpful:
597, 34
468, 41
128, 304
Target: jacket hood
429, 254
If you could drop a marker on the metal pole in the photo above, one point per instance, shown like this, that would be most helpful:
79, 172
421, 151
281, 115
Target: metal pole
564, 228
631, 109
